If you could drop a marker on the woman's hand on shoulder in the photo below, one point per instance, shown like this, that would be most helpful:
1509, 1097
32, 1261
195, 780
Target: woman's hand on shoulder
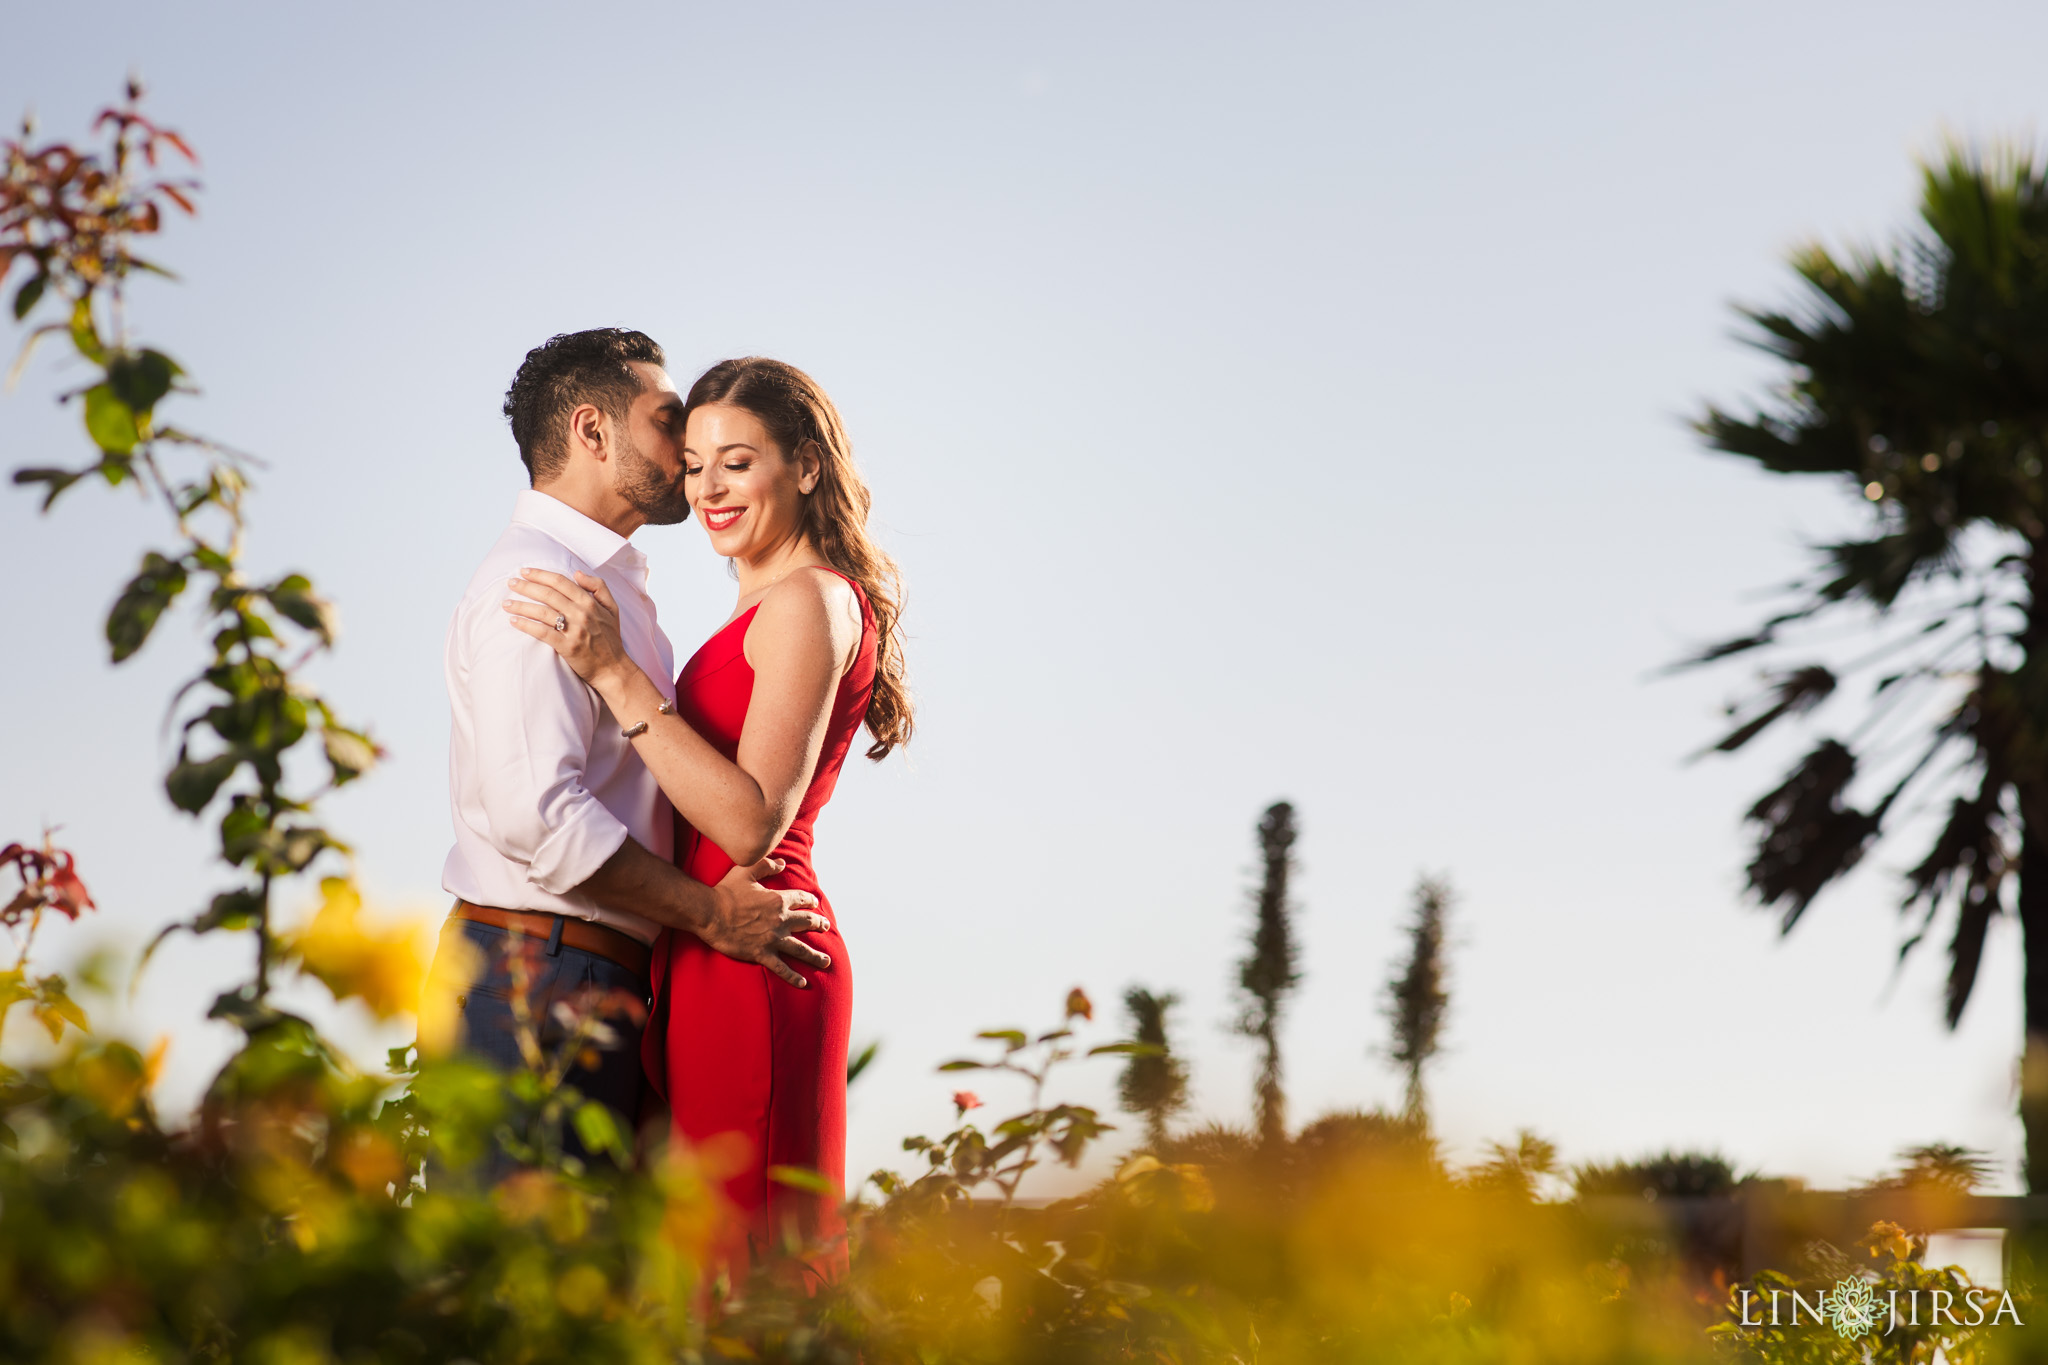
811, 614
577, 618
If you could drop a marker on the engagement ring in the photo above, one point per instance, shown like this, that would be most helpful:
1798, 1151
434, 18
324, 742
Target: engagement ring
561, 621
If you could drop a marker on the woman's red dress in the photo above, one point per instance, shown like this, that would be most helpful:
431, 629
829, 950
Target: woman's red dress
732, 1047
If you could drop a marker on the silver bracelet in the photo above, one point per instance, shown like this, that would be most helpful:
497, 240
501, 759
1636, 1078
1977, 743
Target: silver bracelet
639, 728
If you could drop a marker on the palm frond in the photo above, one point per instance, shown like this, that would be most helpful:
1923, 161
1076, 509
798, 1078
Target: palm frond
1789, 693
1876, 571
1809, 834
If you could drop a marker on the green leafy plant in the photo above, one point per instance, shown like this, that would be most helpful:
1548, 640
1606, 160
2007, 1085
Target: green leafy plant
69, 221
966, 1158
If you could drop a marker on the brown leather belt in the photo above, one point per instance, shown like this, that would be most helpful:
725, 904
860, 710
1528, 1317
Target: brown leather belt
610, 944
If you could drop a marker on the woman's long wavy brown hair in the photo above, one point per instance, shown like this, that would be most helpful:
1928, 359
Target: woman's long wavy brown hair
835, 516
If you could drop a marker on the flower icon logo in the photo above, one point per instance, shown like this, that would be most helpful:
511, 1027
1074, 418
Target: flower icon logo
1853, 1308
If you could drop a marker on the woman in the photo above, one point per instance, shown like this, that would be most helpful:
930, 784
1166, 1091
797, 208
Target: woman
763, 718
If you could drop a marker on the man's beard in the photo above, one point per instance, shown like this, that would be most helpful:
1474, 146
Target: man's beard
640, 482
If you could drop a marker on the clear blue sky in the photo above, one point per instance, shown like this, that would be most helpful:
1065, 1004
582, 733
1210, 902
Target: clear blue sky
1264, 401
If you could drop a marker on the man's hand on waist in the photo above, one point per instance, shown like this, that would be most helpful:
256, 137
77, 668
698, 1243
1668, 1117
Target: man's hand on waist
739, 917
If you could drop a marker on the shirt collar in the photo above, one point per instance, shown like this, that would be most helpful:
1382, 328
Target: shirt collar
595, 545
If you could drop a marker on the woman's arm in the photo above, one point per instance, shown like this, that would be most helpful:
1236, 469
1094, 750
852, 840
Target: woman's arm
803, 637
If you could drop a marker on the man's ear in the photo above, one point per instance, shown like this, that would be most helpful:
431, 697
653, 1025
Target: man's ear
588, 430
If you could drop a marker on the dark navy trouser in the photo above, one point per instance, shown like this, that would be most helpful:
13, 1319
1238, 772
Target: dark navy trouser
483, 1010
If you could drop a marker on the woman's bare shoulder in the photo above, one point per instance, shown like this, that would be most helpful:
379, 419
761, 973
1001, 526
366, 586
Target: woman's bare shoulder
811, 589
810, 601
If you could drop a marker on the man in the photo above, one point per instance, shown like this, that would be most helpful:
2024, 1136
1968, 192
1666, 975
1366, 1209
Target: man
562, 838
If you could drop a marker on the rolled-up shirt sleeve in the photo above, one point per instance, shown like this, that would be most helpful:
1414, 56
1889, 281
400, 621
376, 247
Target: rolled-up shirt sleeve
534, 720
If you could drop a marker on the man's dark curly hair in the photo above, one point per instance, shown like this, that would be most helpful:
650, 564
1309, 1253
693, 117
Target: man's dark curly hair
560, 375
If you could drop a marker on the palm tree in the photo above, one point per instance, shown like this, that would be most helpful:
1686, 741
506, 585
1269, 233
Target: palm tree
1267, 975
1419, 997
1916, 376
1937, 1166
1518, 1170
1154, 1083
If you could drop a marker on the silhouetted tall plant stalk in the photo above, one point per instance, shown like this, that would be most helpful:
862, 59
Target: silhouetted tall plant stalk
1268, 975
1419, 997
1155, 1082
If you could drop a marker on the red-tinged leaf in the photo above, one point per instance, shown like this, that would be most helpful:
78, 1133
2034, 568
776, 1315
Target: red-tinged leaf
171, 191
180, 143
72, 897
49, 880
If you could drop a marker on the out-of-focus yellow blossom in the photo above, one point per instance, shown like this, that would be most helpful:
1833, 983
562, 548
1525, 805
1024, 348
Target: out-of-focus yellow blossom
381, 965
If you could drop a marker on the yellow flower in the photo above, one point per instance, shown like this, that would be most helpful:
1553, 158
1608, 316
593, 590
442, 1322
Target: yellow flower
383, 966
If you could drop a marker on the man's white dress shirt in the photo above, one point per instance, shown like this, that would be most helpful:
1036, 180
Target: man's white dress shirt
544, 788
